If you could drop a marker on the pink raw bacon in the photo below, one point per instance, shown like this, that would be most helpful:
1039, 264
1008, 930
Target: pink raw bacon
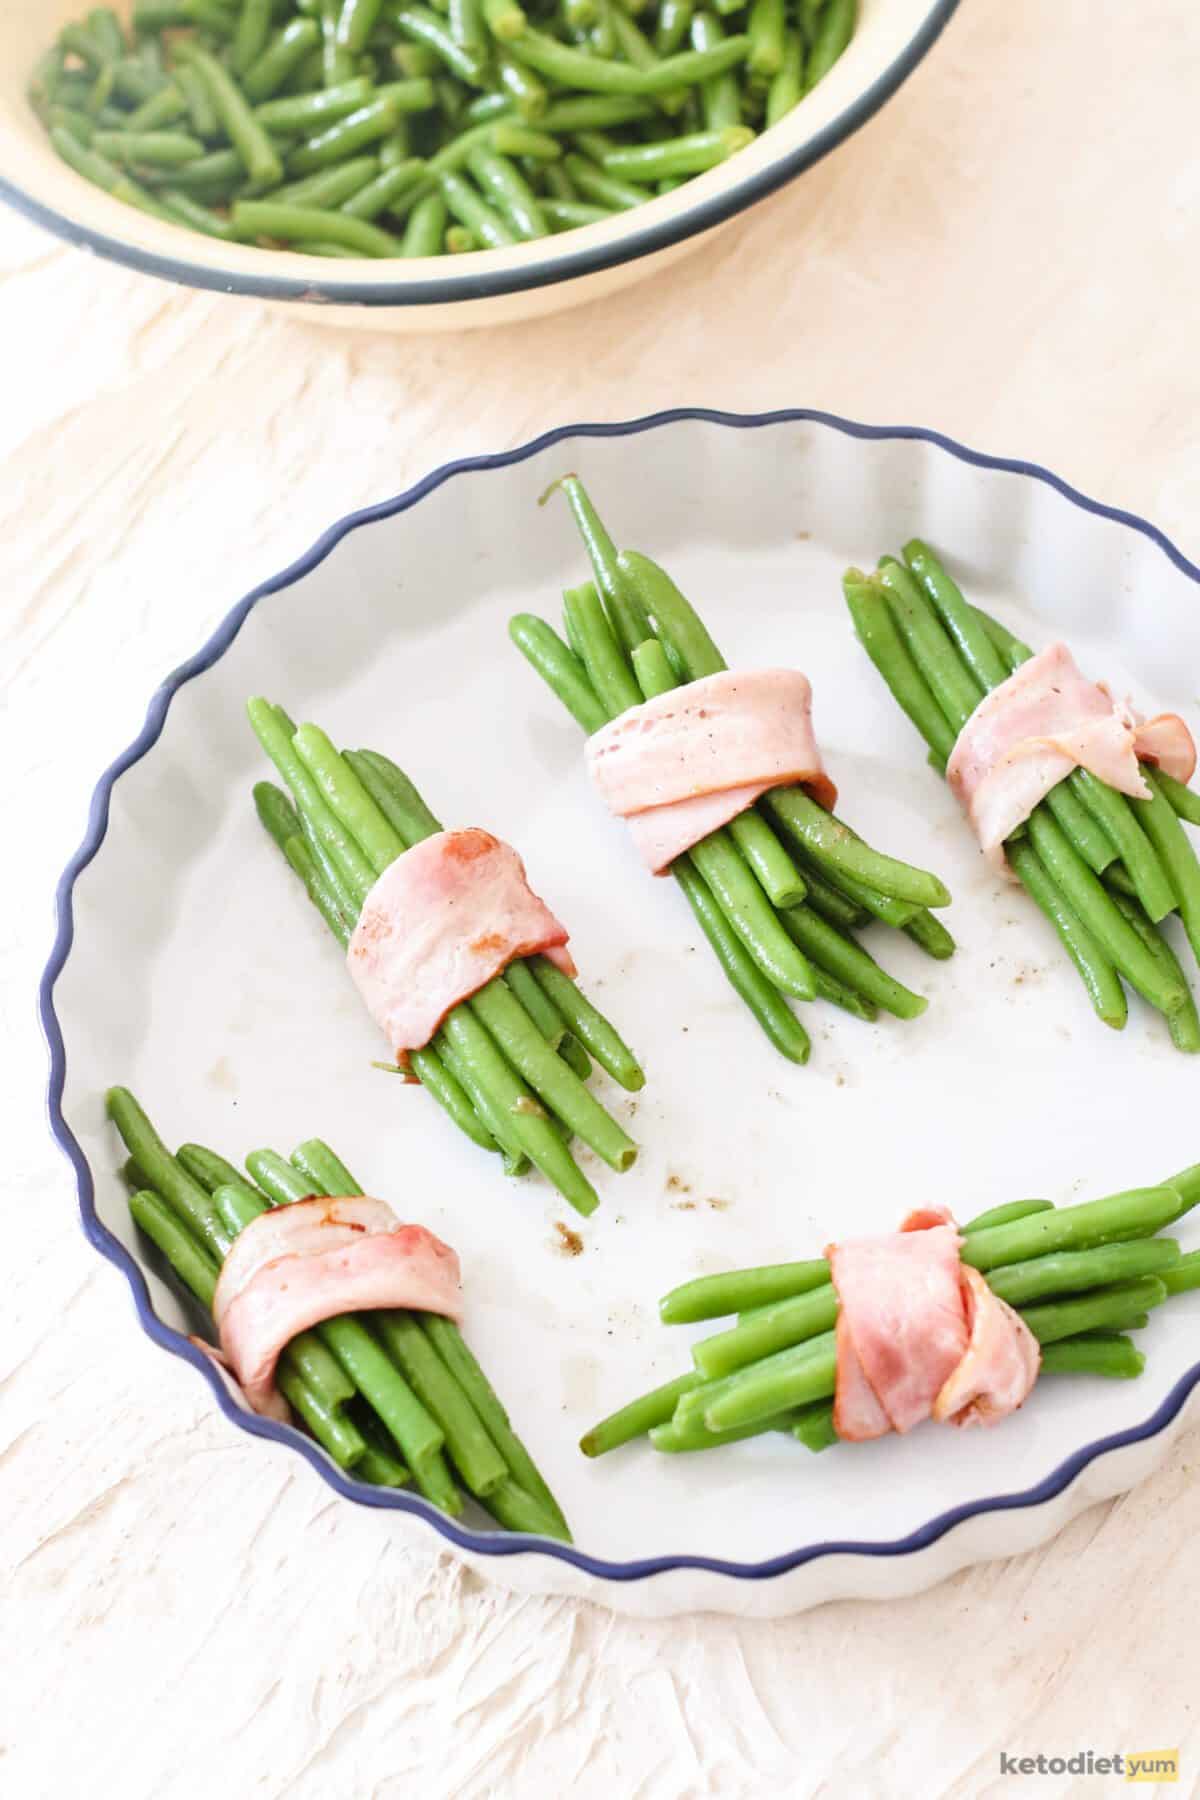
680, 766
439, 923
1047, 719
297, 1265
919, 1336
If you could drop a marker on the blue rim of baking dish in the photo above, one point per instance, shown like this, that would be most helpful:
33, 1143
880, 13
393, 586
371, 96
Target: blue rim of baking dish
453, 287
494, 1543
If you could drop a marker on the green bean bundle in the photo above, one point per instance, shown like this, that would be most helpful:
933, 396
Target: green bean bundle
392, 1396
1081, 1277
781, 891
510, 1064
1106, 870
329, 126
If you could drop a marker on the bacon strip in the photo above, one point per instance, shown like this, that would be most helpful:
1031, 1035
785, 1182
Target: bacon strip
920, 1336
1047, 719
297, 1265
439, 923
682, 765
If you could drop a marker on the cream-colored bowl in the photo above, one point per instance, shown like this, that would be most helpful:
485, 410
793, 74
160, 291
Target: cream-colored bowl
490, 287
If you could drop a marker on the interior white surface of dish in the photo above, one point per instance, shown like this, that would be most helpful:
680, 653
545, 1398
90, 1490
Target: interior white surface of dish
29, 161
203, 979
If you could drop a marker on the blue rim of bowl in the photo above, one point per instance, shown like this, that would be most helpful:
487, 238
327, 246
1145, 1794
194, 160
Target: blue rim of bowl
492, 1543
485, 285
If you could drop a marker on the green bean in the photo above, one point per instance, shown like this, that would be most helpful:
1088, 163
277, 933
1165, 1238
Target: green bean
1069, 1272
211, 1170
676, 1440
505, 19
1137, 1213
254, 148
468, 27
329, 1175
503, 183
712, 1296
540, 1007
595, 112
162, 108
720, 95
743, 974
1004, 1215
353, 133
607, 668
348, 799
675, 622
1180, 796
570, 215
193, 1264
214, 175
979, 653
494, 1114
533, 1134
596, 74
765, 29
814, 1427
601, 41
86, 162
930, 935
455, 1353
639, 1417
250, 37
954, 687
847, 961
1184, 1023
379, 195
355, 23
1184, 1276
521, 88
200, 218
768, 936
793, 1377
518, 1510
674, 18
268, 218
1106, 1306
425, 27
166, 149
688, 155
283, 54
510, 139
299, 112
331, 188
1116, 816
1162, 827
876, 631
184, 1195
787, 85
476, 1458
332, 1429
1115, 1357
1082, 827
276, 740
378, 1464
596, 185
839, 851
426, 223
419, 59
394, 795
833, 33
588, 1025
828, 900
561, 1089
472, 211
1097, 912
1095, 968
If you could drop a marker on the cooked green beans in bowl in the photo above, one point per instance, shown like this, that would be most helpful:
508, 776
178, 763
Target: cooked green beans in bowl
544, 140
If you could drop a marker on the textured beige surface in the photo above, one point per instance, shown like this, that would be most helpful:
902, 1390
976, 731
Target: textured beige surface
1008, 253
